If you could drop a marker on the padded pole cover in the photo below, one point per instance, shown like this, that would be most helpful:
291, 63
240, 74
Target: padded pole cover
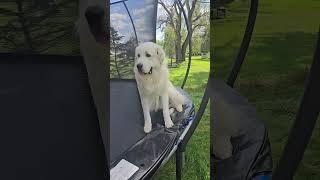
233, 117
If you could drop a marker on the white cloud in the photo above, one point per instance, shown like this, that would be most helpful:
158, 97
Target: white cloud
118, 25
140, 24
149, 1
118, 20
142, 12
145, 37
115, 8
117, 16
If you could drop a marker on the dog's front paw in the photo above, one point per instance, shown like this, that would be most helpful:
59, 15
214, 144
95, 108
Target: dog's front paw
147, 128
168, 123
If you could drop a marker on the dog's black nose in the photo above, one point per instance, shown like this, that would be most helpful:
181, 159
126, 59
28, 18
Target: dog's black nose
139, 66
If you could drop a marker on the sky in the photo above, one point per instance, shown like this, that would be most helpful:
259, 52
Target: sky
142, 12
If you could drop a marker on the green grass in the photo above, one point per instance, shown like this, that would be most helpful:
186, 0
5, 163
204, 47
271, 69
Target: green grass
276, 66
197, 162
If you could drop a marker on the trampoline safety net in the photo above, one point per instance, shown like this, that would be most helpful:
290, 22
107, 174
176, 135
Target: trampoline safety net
39, 27
130, 25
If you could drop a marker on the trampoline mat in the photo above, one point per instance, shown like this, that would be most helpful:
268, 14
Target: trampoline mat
128, 140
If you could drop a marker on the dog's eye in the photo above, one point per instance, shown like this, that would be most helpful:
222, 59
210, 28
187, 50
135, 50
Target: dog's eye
138, 55
148, 55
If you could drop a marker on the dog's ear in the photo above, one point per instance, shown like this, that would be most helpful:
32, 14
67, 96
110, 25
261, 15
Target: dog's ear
160, 53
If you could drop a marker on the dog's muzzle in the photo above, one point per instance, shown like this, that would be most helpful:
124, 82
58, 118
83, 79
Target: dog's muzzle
140, 70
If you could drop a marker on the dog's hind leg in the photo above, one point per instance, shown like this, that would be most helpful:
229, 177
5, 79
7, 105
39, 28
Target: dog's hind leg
176, 99
171, 110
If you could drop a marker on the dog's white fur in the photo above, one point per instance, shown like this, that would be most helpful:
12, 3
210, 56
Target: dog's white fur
155, 89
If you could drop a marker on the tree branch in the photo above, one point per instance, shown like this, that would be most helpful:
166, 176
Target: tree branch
197, 25
7, 12
170, 15
9, 40
162, 22
199, 16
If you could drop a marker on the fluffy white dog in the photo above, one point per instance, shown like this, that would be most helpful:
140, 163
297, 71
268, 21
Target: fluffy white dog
155, 89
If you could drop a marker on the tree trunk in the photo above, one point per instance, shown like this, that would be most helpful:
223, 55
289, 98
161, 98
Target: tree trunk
184, 46
115, 59
178, 35
178, 48
178, 53
22, 20
183, 54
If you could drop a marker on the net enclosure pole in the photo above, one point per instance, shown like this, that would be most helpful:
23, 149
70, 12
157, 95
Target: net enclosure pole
189, 35
133, 26
305, 121
205, 98
245, 43
94, 54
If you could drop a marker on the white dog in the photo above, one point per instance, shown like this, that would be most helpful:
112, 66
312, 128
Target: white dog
155, 89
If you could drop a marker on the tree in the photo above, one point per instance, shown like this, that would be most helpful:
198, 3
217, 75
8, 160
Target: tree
160, 42
219, 3
36, 27
115, 49
129, 48
205, 45
169, 41
196, 43
122, 54
126, 62
175, 20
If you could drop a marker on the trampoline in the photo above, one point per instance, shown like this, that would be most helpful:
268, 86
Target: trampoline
54, 103
147, 152
251, 156
54, 113
55, 124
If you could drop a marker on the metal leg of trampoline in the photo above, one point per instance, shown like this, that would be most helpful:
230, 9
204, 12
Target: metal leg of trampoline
180, 160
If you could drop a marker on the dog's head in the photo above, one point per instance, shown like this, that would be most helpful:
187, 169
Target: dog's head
149, 57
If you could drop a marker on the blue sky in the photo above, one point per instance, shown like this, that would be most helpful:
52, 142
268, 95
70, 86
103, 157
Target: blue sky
142, 12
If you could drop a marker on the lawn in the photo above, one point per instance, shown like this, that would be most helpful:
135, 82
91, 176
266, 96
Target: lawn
197, 162
276, 66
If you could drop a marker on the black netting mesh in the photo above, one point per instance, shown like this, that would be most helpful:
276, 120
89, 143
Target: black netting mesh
131, 22
39, 26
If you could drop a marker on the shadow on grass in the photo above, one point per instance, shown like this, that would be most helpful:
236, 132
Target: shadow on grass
273, 78
275, 54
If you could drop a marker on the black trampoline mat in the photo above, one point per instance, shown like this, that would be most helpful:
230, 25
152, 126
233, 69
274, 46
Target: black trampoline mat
49, 127
126, 125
